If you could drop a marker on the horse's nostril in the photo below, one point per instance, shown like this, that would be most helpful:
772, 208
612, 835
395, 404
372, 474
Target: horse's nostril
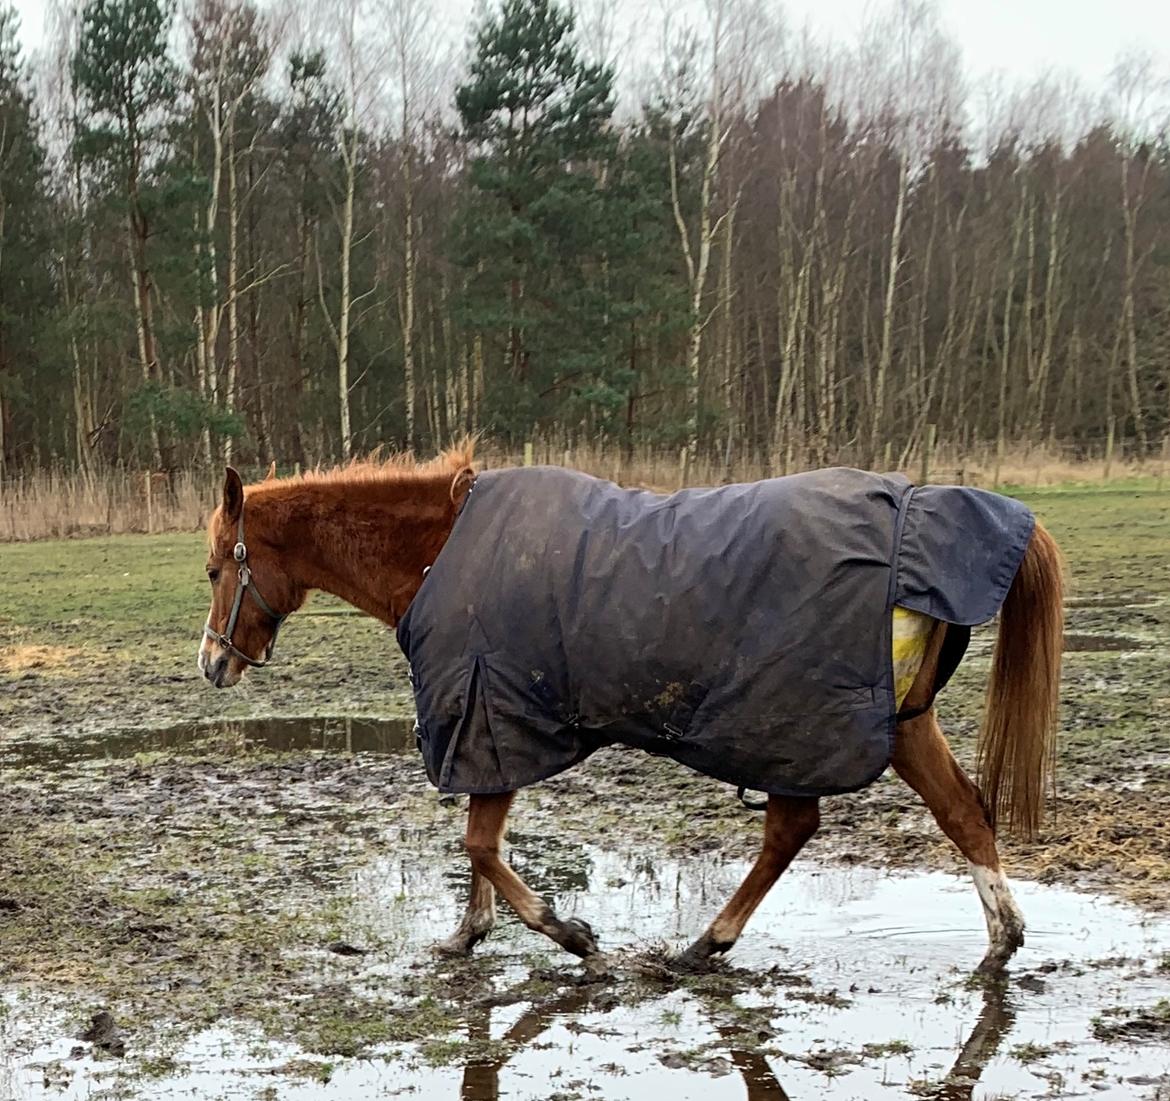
214, 670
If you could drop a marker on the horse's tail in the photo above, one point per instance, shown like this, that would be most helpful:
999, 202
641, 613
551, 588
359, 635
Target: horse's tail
1018, 741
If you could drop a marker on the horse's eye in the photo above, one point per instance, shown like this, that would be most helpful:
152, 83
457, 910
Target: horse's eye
213, 575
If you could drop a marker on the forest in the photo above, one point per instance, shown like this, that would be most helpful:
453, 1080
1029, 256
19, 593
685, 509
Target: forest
232, 232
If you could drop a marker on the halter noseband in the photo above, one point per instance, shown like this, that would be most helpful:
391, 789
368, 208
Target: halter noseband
245, 584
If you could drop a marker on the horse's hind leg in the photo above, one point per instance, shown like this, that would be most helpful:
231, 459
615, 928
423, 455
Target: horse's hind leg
477, 922
486, 818
924, 760
788, 824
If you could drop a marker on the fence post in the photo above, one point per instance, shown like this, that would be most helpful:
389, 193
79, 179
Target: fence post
1109, 447
147, 489
683, 455
568, 458
927, 451
1165, 460
528, 454
887, 456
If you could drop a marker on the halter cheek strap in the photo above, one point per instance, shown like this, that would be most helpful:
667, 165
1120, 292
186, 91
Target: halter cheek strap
244, 584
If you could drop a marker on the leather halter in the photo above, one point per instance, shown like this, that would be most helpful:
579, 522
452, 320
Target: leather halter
245, 584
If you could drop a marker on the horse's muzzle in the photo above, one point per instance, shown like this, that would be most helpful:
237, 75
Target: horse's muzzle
217, 669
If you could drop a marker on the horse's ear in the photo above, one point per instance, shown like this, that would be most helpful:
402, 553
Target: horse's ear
271, 475
233, 495
461, 485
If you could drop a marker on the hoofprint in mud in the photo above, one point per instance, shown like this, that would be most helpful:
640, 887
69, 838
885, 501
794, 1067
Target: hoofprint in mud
369, 533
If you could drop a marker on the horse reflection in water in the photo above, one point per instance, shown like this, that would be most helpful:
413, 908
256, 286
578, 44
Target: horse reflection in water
481, 1079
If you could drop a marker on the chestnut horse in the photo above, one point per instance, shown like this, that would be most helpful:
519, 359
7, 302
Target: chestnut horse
369, 531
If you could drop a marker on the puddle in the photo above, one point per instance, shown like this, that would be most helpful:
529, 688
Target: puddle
849, 983
1084, 643
237, 736
1135, 599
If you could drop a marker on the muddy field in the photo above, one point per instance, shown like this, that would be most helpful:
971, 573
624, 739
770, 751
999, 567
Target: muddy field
233, 894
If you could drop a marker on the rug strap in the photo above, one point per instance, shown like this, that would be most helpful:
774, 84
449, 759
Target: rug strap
740, 794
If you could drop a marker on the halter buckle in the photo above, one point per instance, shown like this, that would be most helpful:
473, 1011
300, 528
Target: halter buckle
239, 552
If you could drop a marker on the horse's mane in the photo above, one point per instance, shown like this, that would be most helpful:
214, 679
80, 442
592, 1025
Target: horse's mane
379, 468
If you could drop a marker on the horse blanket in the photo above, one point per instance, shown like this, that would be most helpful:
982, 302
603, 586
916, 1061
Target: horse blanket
744, 631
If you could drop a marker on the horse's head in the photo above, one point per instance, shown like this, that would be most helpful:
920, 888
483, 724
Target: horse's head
251, 591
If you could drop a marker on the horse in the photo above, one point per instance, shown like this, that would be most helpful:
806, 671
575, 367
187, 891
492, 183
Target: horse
370, 532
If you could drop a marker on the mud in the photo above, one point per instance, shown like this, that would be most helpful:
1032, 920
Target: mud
1077, 644
852, 984
246, 898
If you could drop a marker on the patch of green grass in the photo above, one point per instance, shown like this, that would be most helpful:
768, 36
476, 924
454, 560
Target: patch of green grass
888, 1048
309, 1070
159, 1066
443, 1053
79, 584
1031, 1053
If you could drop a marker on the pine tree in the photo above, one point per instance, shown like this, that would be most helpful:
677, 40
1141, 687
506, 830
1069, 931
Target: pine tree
537, 117
25, 286
123, 71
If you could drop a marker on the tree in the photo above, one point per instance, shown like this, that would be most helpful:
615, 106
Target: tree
24, 217
230, 54
536, 117
126, 79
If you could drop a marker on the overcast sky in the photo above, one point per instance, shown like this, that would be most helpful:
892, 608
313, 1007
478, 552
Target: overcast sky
1019, 38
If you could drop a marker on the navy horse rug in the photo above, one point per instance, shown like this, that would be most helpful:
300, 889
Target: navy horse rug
744, 631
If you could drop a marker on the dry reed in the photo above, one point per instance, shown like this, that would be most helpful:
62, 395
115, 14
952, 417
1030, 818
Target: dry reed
59, 504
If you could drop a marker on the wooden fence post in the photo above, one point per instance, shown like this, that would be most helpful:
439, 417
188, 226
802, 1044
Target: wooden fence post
683, 455
1109, 446
147, 488
927, 451
528, 454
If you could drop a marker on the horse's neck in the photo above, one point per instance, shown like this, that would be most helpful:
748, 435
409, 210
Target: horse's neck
370, 543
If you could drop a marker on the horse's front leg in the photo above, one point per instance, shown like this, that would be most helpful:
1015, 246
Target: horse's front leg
486, 818
788, 824
477, 922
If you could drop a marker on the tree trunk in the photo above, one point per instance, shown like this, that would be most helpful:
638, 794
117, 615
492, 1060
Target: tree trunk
233, 289
886, 351
408, 296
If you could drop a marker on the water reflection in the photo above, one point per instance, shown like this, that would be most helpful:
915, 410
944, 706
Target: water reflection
224, 736
995, 1021
481, 1079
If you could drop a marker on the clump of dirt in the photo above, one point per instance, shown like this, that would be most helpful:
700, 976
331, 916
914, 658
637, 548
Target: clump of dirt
1149, 1025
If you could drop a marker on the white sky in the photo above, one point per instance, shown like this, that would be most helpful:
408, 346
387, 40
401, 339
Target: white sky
1019, 38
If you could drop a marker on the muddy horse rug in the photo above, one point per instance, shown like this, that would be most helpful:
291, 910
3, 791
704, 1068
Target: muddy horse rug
744, 631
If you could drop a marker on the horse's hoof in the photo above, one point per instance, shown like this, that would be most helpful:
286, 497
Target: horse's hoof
690, 962
597, 968
456, 947
1002, 951
584, 942
996, 960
